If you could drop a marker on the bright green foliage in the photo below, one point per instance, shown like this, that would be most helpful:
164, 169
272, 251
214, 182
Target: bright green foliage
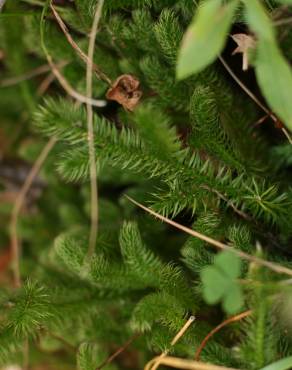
191, 150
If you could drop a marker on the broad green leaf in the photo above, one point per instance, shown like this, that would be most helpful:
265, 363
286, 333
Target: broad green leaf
258, 19
229, 263
219, 282
215, 284
205, 37
284, 364
274, 76
233, 300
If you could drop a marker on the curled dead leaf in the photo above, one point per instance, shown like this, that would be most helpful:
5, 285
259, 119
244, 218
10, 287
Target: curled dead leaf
125, 91
245, 43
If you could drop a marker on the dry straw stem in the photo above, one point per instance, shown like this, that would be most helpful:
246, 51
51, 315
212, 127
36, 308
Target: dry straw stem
270, 265
14, 242
179, 363
69, 89
118, 351
101, 75
62, 80
43, 87
219, 327
254, 98
92, 158
30, 74
157, 361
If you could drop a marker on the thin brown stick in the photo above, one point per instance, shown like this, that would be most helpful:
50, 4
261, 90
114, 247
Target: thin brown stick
287, 134
219, 327
43, 87
25, 351
157, 363
229, 203
30, 74
261, 120
101, 75
254, 98
270, 265
90, 131
69, 89
283, 21
62, 80
15, 249
180, 363
118, 351
68, 345
246, 90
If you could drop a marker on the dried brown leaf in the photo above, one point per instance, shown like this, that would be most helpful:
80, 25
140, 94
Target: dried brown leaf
125, 91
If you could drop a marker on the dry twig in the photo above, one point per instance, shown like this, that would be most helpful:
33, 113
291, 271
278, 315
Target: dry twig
30, 74
101, 75
254, 98
15, 249
91, 149
219, 327
43, 87
180, 363
118, 351
62, 80
155, 363
270, 265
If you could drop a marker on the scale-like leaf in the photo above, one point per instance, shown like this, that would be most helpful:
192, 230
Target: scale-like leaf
205, 37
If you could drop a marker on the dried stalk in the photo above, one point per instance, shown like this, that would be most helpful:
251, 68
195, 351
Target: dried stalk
219, 327
62, 80
15, 249
101, 75
30, 74
118, 351
180, 363
155, 363
91, 149
254, 98
259, 261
